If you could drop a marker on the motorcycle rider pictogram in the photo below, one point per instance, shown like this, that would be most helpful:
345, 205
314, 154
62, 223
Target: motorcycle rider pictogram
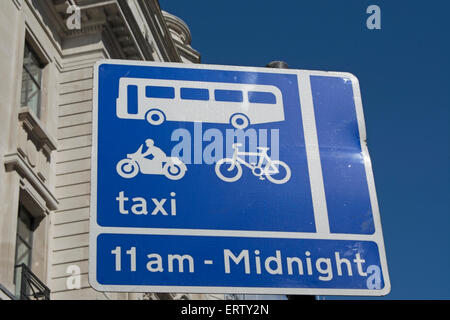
152, 161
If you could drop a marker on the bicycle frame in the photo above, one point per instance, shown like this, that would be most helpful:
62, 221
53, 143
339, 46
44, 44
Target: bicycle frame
261, 156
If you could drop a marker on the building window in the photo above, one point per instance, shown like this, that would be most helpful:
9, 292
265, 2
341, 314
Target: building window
24, 245
28, 285
31, 81
24, 241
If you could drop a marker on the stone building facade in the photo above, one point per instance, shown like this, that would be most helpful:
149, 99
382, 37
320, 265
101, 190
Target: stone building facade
46, 68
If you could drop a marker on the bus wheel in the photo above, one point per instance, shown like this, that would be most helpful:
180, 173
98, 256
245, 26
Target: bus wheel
239, 121
155, 117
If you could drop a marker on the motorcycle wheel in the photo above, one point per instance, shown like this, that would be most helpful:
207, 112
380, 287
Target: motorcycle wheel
174, 171
127, 168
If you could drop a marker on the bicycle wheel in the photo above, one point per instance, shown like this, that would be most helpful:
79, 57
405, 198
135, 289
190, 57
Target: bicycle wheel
283, 175
232, 174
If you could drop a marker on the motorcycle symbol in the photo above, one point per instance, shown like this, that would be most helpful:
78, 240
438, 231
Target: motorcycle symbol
171, 167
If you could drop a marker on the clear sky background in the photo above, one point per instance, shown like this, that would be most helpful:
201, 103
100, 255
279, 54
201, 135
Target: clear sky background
404, 74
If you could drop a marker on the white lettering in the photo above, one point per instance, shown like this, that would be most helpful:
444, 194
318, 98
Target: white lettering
121, 198
180, 259
227, 254
327, 271
359, 263
155, 263
278, 269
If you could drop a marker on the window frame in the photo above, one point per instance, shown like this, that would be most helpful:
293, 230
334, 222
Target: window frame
30, 52
31, 228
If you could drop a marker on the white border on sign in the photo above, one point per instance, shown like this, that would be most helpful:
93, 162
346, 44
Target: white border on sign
317, 191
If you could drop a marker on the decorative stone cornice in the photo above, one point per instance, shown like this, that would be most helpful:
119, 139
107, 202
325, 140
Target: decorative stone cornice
106, 17
86, 30
16, 162
36, 131
175, 24
122, 32
31, 161
181, 36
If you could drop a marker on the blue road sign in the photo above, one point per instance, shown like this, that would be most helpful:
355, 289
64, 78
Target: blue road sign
232, 180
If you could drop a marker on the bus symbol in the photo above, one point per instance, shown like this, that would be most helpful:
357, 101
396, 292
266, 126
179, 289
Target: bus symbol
157, 101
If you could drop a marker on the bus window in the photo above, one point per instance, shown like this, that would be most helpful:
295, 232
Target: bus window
194, 94
159, 92
228, 95
132, 95
261, 97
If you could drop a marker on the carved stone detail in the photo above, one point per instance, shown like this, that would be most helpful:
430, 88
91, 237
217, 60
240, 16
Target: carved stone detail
32, 160
34, 143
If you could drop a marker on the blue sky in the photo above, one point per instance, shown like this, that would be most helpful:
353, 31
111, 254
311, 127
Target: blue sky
404, 74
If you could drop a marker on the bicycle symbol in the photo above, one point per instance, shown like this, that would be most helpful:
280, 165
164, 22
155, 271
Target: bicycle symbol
275, 171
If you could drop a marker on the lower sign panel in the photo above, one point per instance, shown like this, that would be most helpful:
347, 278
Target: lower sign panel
172, 263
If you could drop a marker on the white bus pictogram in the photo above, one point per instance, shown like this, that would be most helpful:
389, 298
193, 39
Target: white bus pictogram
158, 100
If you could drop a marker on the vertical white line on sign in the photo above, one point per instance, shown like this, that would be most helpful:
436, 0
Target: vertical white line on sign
313, 155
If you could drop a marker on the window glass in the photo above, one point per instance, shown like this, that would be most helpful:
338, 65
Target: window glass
194, 94
160, 92
31, 93
31, 81
23, 253
32, 64
261, 97
24, 230
24, 241
228, 95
